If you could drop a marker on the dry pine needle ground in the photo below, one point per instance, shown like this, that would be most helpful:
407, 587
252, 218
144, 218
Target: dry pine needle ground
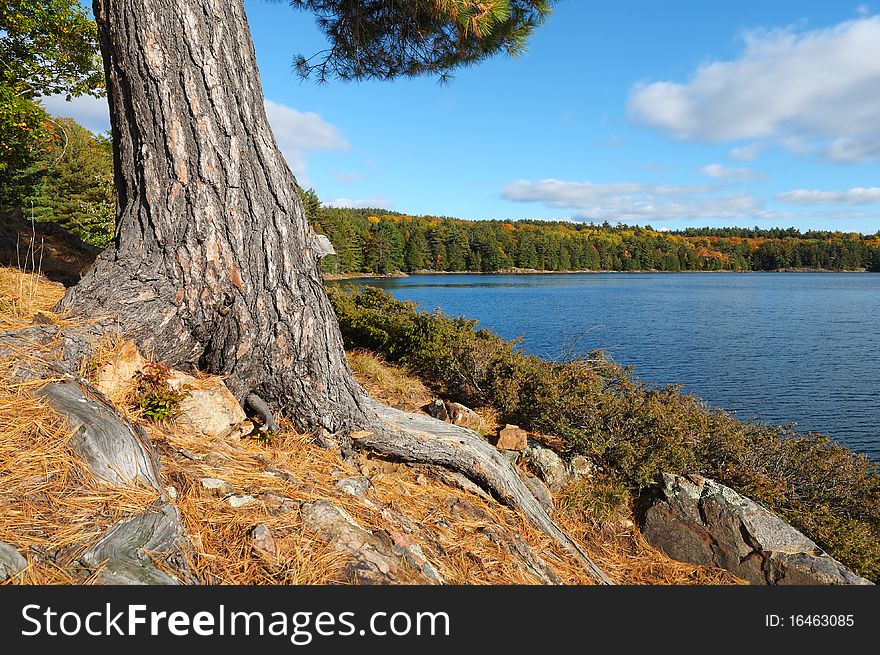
51, 509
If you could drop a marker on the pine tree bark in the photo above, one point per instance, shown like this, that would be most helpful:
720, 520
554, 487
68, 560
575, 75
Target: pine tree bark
214, 264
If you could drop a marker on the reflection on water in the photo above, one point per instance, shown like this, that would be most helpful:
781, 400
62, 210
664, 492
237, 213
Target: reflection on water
767, 346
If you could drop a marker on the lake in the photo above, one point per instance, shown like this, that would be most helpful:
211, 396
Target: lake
770, 347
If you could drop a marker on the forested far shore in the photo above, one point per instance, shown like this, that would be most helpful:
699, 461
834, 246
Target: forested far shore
66, 179
378, 242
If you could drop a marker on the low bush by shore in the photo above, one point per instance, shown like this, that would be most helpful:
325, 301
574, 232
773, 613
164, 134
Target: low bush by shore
633, 429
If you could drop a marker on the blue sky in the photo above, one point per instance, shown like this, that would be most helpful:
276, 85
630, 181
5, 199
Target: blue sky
672, 114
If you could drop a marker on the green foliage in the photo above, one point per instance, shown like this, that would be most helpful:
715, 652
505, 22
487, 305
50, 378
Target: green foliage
632, 429
25, 129
77, 192
380, 241
157, 399
46, 47
385, 39
68, 182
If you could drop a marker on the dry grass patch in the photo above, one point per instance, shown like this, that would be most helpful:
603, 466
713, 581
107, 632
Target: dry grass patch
51, 508
390, 384
23, 294
292, 468
281, 473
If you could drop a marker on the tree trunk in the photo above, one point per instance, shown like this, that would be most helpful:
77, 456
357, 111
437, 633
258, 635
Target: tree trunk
213, 264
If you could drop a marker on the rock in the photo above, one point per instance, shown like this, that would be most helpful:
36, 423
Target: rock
456, 413
209, 406
697, 520
240, 500
44, 318
322, 246
371, 559
437, 409
261, 538
171, 491
548, 465
11, 562
275, 503
358, 486
414, 555
511, 456
540, 491
463, 416
222, 487
512, 437
239, 431
118, 374
581, 467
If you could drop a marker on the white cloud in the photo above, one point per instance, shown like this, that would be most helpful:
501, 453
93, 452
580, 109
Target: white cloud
634, 201
728, 174
90, 112
821, 87
298, 132
855, 196
373, 202
748, 152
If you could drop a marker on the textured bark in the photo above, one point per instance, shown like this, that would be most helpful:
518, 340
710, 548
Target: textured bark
214, 264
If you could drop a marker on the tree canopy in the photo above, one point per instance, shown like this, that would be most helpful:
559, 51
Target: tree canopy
46, 47
384, 39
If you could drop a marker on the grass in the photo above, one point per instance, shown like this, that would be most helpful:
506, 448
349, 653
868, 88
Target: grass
22, 295
392, 385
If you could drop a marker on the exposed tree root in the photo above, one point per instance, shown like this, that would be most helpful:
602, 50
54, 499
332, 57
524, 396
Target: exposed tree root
422, 439
387, 431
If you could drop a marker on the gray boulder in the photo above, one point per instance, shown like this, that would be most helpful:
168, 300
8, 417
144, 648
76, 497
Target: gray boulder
371, 558
549, 466
697, 520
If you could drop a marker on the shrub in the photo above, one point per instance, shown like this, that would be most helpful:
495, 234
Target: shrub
633, 429
157, 399
601, 502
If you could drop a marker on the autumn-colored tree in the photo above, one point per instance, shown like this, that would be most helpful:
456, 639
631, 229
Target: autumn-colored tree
46, 47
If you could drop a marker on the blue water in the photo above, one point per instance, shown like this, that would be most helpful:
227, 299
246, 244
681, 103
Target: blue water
770, 347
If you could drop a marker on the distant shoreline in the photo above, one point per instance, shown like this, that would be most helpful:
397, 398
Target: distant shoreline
337, 277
